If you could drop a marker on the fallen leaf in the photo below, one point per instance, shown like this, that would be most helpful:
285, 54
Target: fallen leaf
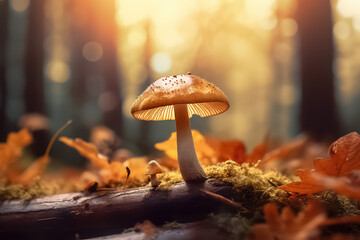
344, 158
288, 226
87, 150
39, 166
137, 166
12, 148
229, 149
257, 153
347, 186
114, 171
204, 151
283, 150
34, 170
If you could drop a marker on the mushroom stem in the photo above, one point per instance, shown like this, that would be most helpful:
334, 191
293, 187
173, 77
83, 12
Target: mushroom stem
154, 180
190, 167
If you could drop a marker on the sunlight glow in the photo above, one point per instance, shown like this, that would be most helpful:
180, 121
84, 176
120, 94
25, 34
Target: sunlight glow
342, 30
136, 37
349, 8
161, 62
356, 23
259, 9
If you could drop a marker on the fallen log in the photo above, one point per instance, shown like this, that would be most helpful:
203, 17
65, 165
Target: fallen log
81, 215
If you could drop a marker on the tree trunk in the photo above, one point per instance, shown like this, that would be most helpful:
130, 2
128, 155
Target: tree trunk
4, 15
112, 118
109, 212
318, 111
34, 59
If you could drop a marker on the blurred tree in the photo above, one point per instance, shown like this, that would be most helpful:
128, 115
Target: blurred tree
94, 21
34, 97
318, 110
34, 59
143, 138
107, 31
4, 16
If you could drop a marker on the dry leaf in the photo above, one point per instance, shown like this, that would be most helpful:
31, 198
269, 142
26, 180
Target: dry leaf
38, 167
344, 158
205, 153
287, 226
13, 147
257, 153
137, 167
87, 150
114, 171
230, 149
284, 150
34, 170
347, 186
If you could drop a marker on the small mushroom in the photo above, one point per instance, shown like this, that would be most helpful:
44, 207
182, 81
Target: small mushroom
177, 98
152, 169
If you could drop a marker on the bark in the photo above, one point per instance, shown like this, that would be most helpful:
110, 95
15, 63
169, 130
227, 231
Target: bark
318, 110
4, 16
109, 212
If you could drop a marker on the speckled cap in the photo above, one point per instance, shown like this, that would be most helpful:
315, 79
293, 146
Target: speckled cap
156, 102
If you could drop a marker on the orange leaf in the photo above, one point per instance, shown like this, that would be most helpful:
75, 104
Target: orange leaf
341, 185
344, 158
35, 169
257, 153
87, 150
284, 150
12, 149
287, 226
204, 151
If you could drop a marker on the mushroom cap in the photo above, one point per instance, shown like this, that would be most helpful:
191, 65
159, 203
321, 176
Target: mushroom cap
153, 167
156, 102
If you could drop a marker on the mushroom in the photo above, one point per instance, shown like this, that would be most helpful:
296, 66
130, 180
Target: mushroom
179, 97
152, 169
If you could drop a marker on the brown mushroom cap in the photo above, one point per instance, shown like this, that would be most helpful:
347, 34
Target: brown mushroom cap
156, 102
153, 167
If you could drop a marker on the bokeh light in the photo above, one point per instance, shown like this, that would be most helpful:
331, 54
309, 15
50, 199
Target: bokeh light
342, 30
20, 5
58, 71
92, 51
161, 62
289, 27
349, 8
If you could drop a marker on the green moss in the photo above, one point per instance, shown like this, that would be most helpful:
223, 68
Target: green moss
167, 179
245, 177
40, 187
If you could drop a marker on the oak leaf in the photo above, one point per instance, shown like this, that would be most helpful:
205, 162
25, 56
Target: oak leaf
344, 158
288, 226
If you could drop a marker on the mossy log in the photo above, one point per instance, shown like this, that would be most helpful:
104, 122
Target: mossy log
101, 213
